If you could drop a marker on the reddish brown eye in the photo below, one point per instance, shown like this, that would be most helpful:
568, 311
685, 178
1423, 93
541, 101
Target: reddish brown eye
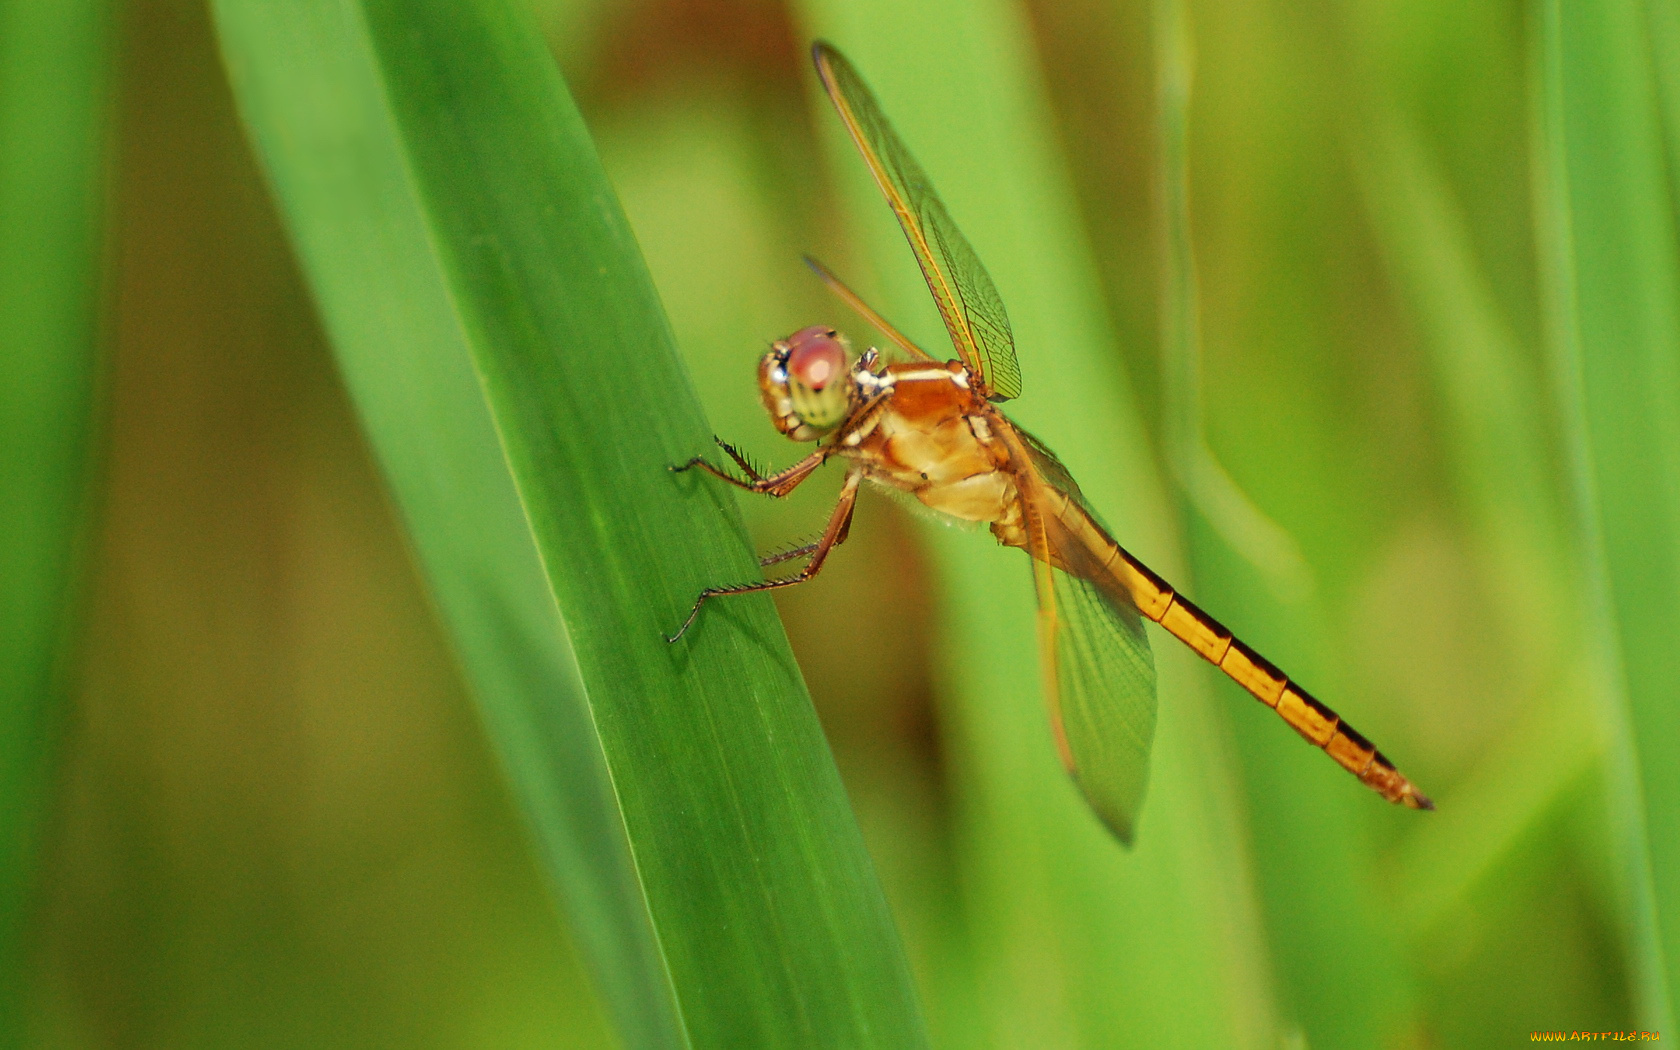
815, 357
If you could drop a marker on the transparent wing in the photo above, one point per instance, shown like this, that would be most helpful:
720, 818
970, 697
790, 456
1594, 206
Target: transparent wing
1099, 673
967, 299
1106, 679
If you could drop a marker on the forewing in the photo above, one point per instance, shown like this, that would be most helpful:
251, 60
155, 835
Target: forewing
967, 299
1099, 673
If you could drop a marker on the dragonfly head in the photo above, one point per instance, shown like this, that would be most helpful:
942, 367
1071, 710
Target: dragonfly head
807, 382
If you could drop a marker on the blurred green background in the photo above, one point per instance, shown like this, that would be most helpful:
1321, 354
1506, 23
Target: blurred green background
1357, 314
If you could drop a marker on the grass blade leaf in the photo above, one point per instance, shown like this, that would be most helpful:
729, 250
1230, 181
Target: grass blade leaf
53, 70
498, 329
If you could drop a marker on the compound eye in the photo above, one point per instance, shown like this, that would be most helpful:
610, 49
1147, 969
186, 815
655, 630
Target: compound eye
816, 358
818, 366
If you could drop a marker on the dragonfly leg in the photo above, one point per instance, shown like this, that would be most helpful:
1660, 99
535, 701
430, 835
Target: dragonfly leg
740, 458
791, 553
778, 484
804, 548
839, 526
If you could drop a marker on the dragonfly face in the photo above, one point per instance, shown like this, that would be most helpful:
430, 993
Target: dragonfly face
933, 429
811, 381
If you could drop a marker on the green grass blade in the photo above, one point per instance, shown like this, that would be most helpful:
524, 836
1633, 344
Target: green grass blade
53, 70
1607, 221
1493, 405
1499, 445
1339, 972
1664, 20
1077, 942
500, 335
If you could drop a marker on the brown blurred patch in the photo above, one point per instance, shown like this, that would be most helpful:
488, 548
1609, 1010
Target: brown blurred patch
646, 44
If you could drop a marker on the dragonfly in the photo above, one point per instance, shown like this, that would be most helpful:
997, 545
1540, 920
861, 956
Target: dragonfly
932, 429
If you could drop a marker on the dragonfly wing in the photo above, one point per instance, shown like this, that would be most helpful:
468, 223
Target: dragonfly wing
1104, 699
968, 301
1099, 672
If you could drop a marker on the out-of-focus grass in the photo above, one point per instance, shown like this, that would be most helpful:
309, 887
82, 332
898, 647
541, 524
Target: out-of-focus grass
1608, 216
53, 106
1337, 969
279, 825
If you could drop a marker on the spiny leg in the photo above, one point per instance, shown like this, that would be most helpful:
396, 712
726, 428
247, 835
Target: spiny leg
791, 553
778, 484
740, 458
839, 525
804, 548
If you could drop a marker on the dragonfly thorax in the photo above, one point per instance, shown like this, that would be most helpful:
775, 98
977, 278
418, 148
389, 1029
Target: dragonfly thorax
811, 382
